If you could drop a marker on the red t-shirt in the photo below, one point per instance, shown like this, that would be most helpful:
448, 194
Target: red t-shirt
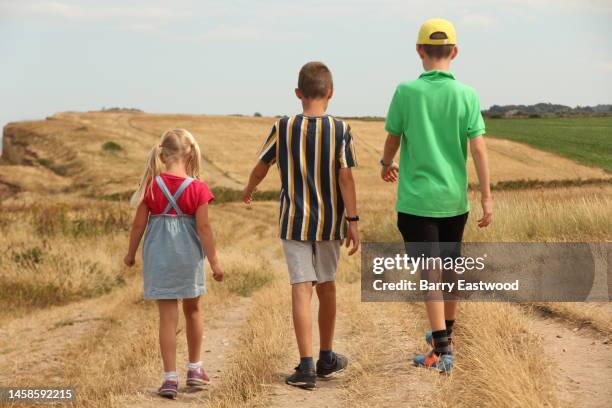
196, 194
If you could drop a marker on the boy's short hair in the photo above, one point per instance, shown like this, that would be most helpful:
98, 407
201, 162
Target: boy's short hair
438, 51
315, 80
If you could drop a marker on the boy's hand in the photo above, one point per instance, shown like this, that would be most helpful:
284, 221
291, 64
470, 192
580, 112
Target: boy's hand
247, 194
352, 237
129, 260
389, 173
487, 213
217, 271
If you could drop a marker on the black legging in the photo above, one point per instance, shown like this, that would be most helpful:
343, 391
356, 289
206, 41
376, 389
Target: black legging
447, 231
429, 229
429, 236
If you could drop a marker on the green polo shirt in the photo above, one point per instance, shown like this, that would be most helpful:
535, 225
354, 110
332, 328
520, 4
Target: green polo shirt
434, 115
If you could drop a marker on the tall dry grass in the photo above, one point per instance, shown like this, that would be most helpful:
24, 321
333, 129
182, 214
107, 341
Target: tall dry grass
554, 215
499, 361
52, 254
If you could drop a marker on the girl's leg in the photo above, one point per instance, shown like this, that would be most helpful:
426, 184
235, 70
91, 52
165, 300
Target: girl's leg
168, 321
194, 327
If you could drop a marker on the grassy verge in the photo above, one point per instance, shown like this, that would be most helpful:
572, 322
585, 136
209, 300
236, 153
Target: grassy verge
542, 184
595, 315
222, 195
586, 140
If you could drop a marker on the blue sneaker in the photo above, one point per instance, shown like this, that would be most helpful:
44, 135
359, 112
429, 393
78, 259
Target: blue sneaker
443, 363
429, 338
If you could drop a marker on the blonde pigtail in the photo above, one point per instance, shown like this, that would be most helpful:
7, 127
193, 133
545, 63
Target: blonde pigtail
152, 169
195, 161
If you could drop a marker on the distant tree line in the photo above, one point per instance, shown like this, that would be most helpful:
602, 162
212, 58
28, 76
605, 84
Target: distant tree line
545, 110
119, 109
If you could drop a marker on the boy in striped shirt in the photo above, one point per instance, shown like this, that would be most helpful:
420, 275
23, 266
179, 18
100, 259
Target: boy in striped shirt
314, 154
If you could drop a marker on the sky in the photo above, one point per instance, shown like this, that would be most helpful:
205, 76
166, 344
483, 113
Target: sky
227, 57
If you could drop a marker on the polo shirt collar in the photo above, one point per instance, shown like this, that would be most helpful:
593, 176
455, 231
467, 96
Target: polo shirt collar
437, 74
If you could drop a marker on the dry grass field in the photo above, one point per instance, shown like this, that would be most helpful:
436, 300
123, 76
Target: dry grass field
73, 315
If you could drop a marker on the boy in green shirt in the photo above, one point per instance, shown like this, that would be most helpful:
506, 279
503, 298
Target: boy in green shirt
431, 120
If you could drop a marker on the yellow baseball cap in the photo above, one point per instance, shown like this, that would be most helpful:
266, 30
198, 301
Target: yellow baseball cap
435, 25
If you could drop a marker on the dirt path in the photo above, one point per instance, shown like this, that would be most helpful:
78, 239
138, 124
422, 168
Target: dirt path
582, 359
220, 336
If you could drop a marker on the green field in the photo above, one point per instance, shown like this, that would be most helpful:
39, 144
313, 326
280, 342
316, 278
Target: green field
587, 140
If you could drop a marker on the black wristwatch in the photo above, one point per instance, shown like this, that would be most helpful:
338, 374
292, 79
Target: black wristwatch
382, 163
352, 219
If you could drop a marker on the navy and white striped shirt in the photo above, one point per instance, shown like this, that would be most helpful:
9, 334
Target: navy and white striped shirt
309, 151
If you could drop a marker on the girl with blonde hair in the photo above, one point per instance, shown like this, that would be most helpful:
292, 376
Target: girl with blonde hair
172, 206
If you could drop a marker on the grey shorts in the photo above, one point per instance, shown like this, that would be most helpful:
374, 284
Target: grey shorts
311, 261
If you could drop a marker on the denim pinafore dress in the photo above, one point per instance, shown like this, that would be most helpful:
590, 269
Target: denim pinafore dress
173, 256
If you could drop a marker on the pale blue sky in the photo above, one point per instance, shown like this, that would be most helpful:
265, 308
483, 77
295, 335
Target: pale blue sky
222, 57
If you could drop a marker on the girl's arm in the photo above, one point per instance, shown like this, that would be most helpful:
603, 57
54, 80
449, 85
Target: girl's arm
138, 228
481, 162
208, 242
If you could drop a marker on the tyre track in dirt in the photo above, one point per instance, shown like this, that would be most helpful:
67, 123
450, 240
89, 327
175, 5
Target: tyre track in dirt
39, 340
582, 358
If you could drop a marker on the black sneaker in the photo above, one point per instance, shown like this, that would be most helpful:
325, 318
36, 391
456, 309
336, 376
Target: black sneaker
325, 370
302, 378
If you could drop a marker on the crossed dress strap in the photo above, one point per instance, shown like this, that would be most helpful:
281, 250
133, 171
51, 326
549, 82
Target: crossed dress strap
172, 199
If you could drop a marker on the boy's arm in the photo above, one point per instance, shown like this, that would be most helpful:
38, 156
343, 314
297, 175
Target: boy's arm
349, 196
257, 175
389, 169
208, 241
138, 228
478, 149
